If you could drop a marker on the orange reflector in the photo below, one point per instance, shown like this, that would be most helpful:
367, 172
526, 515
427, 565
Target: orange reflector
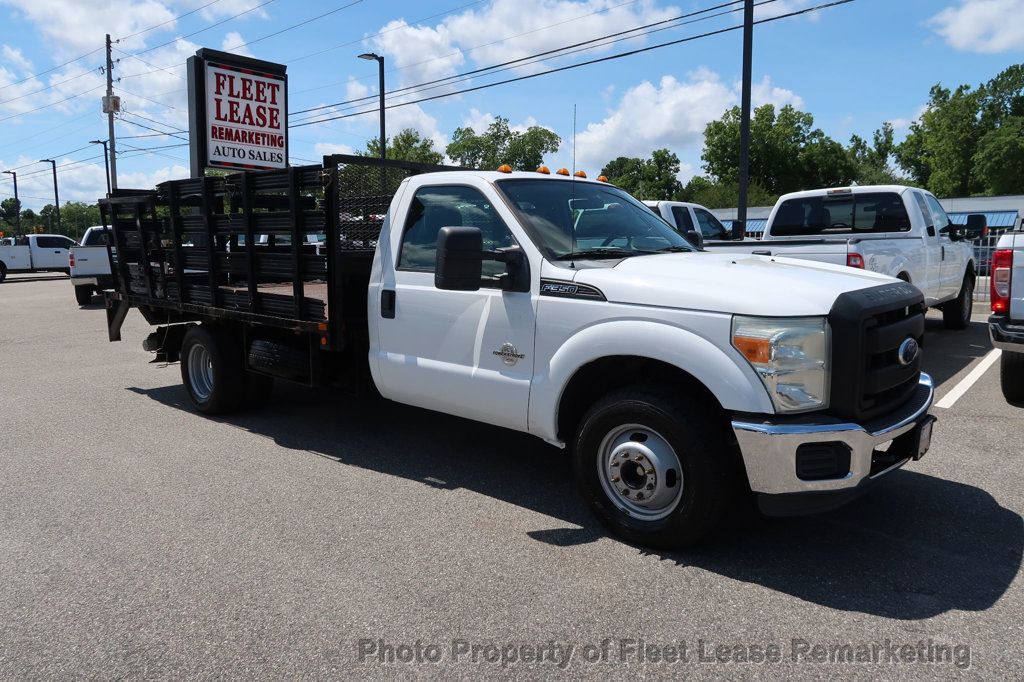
562, 171
602, 178
580, 174
322, 326
756, 350
323, 340
504, 168
544, 170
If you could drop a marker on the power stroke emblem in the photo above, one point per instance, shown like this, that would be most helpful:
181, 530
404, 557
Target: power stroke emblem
908, 351
508, 354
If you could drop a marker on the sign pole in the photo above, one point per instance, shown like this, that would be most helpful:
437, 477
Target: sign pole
748, 40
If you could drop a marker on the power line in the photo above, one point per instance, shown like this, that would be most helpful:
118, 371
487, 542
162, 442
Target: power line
148, 99
159, 123
48, 87
59, 66
203, 30
146, 127
577, 65
294, 26
52, 104
545, 53
169, 21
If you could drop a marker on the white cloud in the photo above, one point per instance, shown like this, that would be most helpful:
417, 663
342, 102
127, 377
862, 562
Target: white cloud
670, 114
233, 43
987, 26
16, 59
422, 53
68, 25
326, 148
149, 180
780, 7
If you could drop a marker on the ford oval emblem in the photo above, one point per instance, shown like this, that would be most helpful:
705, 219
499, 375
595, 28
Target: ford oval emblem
908, 351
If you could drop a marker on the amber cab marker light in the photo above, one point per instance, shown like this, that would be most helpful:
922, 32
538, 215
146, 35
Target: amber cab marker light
602, 178
544, 169
504, 168
756, 350
562, 171
580, 174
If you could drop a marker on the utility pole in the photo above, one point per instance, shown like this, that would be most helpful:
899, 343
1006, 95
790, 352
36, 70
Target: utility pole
17, 202
106, 160
110, 105
748, 48
56, 197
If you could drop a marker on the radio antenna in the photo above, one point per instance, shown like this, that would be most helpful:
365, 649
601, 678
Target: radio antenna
574, 139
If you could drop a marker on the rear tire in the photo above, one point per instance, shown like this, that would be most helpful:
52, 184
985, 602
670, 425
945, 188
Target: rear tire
212, 369
957, 313
1011, 376
647, 432
83, 293
3, 272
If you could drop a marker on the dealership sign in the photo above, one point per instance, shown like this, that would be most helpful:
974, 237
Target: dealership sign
238, 112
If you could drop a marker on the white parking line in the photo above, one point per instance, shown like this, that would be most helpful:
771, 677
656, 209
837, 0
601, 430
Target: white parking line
965, 384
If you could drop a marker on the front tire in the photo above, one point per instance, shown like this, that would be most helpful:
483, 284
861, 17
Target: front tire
212, 369
83, 293
657, 468
1011, 376
3, 272
957, 313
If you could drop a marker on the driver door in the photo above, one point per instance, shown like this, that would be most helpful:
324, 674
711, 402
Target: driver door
468, 353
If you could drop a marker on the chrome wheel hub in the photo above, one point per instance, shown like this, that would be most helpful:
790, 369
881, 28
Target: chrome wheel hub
640, 472
200, 372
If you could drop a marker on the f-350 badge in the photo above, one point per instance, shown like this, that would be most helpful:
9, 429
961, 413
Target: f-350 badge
508, 354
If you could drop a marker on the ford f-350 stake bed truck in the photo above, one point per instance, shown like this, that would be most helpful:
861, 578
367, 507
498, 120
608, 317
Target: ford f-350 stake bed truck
553, 305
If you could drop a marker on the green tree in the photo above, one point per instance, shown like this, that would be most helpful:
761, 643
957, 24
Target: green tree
786, 152
499, 145
872, 161
703, 191
47, 219
999, 161
76, 217
407, 145
655, 178
9, 209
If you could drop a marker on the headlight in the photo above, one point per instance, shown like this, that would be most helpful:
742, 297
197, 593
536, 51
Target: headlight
791, 355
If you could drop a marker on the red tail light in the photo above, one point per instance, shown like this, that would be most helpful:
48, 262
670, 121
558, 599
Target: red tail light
1002, 269
71, 259
855, 260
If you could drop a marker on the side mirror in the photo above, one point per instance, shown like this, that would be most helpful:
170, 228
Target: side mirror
977, 227
739, 230
459, 258
695, 237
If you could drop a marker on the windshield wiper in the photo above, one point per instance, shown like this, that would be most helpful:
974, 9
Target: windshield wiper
677, 249
603, 252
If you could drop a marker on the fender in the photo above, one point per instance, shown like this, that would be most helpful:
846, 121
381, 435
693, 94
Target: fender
725, 373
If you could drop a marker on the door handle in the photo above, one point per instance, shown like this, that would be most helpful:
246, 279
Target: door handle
387, 304
56, 251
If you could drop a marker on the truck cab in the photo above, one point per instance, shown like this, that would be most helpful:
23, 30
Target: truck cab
694, 221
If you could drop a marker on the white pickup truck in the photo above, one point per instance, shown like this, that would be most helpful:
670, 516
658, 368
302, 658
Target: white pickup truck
1006, 324
694, 221
89, 264
35, 253
561, 307
898, 231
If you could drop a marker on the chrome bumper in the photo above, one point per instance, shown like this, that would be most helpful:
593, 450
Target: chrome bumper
769, 447
1006, 336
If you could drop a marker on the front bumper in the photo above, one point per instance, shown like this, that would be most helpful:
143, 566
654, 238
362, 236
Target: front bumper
769, 448
1006, 336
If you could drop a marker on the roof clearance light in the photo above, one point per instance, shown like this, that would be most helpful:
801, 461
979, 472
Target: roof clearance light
602, 178
844, 190
562, 171
580, 174
504, 168
544, 169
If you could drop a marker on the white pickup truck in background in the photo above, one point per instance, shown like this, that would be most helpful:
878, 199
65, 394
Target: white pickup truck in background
894, 230
89, 264
693, 221
562, 307
36, 253
1006, 324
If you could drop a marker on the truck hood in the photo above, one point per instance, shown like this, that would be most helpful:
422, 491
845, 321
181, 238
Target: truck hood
729, 283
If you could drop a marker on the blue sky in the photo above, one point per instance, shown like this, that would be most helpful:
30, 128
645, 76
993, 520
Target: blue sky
852, 66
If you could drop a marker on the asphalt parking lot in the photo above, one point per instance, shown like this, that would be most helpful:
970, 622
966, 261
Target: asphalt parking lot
139, 539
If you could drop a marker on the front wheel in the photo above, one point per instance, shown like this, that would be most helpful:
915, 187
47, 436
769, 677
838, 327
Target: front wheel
212, 369
657, 468
83, 293
957, 313
1011, 376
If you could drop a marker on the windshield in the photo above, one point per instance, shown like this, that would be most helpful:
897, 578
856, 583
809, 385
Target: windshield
569, 217
841, 213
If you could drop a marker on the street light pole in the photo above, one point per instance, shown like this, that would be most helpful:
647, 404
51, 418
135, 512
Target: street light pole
56, 197
748, 44
17, 202
380, 65
106, 161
